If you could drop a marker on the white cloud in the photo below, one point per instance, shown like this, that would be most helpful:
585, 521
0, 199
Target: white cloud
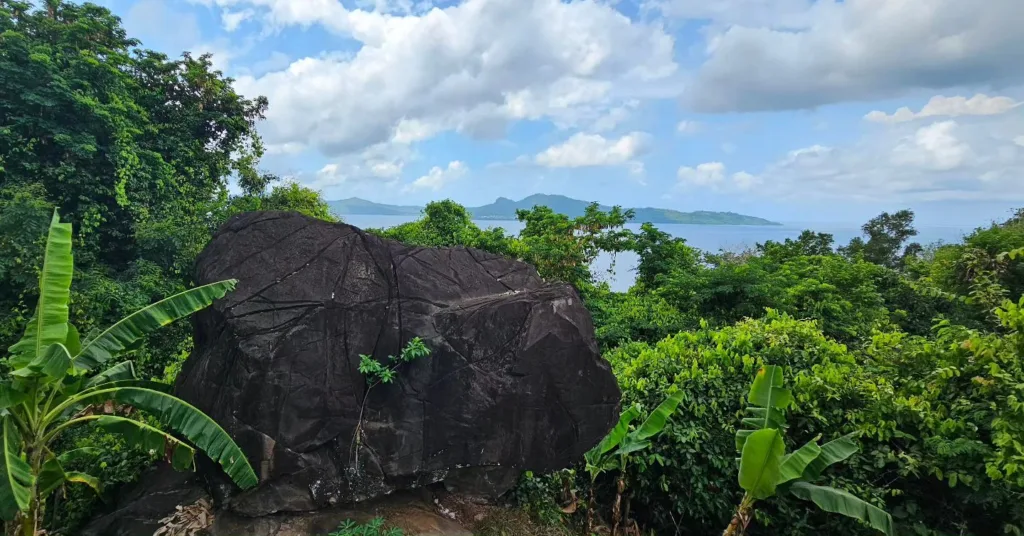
584, 150
713, 176
231, 20
933, 147
1019, 140
943, 160
438, 178
380, 164
938, 105
615, 116
689, 127
472, 68
830, 51
745, 181
705, 174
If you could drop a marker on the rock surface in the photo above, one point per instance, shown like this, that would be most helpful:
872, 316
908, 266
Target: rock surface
514, 381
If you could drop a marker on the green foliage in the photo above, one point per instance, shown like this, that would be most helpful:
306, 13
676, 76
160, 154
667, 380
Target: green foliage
538, 497
289, 196
563, 248
133, 147
886, 234
766, 469
376, 372
49, 390
808, 244
660, 254
979, 262
632, 316
446, 223
615, 451
373, 528
935, 416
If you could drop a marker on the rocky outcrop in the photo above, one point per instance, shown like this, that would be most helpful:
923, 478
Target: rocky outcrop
514, 380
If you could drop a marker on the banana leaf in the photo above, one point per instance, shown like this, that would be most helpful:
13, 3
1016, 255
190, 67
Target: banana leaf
760, 461
120, 337
16, 478
840, 502
185, 419
49, 324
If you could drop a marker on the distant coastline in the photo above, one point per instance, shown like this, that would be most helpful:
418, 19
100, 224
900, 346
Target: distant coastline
505, 209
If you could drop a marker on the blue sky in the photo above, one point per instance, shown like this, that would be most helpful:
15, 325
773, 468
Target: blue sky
794, 110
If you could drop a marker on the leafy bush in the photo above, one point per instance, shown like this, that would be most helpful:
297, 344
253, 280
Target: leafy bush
766, 470
686, 478
939, 421
374, 528
58, 380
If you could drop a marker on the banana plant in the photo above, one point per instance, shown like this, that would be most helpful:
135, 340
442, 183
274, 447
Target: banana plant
613, 452
56, 380
766, 470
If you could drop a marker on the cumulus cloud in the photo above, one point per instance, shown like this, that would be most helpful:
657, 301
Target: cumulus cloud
380, 164
586, 150
933, 147
704, 174
712, 175
438, 178
854, 50
944, 160
938, 105
472, 68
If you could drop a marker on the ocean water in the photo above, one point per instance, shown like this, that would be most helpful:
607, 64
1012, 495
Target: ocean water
705, 237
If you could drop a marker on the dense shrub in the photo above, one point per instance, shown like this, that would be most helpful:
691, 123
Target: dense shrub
941, 422
687, 479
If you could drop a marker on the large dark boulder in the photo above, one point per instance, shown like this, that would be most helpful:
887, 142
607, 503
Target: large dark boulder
514, 381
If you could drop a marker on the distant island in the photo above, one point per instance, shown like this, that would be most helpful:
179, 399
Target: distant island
505, 209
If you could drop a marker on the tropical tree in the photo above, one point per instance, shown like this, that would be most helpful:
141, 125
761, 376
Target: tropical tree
613, 452
57, 380
766, 470
887, 233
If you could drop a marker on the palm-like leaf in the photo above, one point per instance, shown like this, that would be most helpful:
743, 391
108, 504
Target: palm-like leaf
794, 463
52, 364
118, 372
760, 461
841, 502
15, 474
767, 401
52, 475
49, 325
832, 452
9, 396
767, 390
656, 421
119, 337
614, 437
150, 439
184, 418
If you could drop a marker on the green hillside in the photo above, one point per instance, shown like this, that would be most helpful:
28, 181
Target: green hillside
505, 209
